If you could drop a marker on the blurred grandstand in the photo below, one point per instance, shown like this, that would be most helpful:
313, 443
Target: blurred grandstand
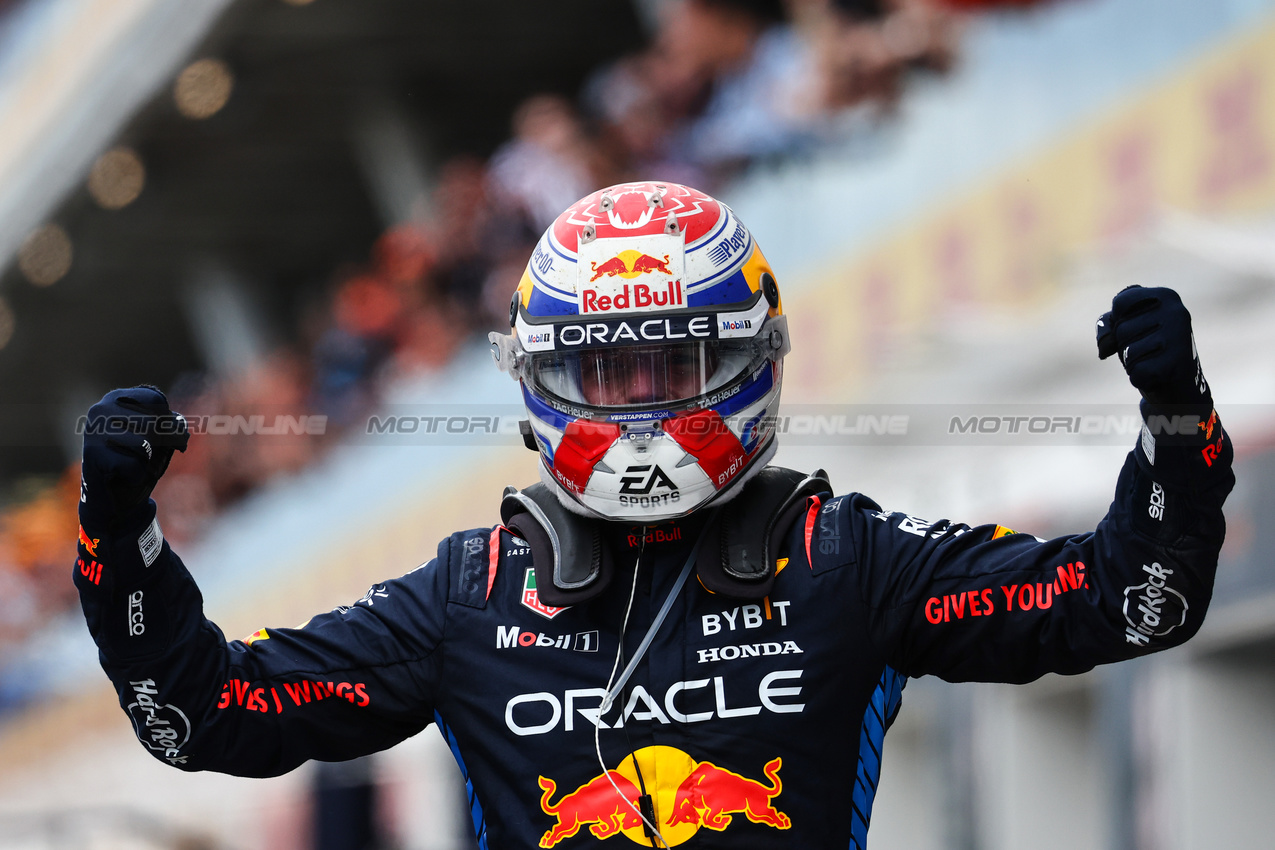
310, 211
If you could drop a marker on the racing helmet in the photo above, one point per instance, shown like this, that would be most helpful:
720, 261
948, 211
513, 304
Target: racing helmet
648, 339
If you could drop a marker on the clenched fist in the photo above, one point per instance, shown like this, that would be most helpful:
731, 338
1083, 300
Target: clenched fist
129, 439
1150, 329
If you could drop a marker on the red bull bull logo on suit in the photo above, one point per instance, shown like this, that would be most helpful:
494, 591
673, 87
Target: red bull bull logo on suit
688, 795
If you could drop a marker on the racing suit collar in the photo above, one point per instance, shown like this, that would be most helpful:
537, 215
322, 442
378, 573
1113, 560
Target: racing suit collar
667, 536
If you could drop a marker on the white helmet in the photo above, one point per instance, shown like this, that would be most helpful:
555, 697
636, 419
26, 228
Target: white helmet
648, 337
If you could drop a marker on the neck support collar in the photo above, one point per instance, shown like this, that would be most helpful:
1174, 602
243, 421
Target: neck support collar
736, 557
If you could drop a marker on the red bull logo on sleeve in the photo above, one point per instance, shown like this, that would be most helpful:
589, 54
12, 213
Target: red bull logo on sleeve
89, 543
687, 794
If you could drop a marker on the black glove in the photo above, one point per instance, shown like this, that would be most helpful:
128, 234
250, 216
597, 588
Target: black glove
1151, 331
129, 439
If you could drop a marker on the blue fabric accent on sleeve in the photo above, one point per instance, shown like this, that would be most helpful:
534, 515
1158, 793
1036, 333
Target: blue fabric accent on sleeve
880, 713
475, 807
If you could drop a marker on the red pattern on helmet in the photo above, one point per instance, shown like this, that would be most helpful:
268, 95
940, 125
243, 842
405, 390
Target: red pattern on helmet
704, 435
583, 445
697, 214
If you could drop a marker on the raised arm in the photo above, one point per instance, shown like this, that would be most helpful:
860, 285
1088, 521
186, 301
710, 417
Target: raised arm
989, 604
349, 682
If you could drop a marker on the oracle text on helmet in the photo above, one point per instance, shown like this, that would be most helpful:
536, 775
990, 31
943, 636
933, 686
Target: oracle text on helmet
651, 330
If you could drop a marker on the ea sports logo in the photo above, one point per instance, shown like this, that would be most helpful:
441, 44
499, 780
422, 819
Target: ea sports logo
642, 479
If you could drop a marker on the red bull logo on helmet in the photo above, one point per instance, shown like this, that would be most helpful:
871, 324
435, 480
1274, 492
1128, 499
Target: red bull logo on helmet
639, 296
629, 264
635, 274
688, 795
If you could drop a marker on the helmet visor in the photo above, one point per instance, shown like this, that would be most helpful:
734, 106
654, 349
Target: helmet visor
641, 376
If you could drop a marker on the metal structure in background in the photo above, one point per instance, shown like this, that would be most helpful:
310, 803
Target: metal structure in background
281, 185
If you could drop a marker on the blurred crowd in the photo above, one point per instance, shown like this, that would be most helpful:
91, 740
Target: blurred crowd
721, 86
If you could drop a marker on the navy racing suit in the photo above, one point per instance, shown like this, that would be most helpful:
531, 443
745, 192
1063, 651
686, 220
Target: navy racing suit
749, 724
